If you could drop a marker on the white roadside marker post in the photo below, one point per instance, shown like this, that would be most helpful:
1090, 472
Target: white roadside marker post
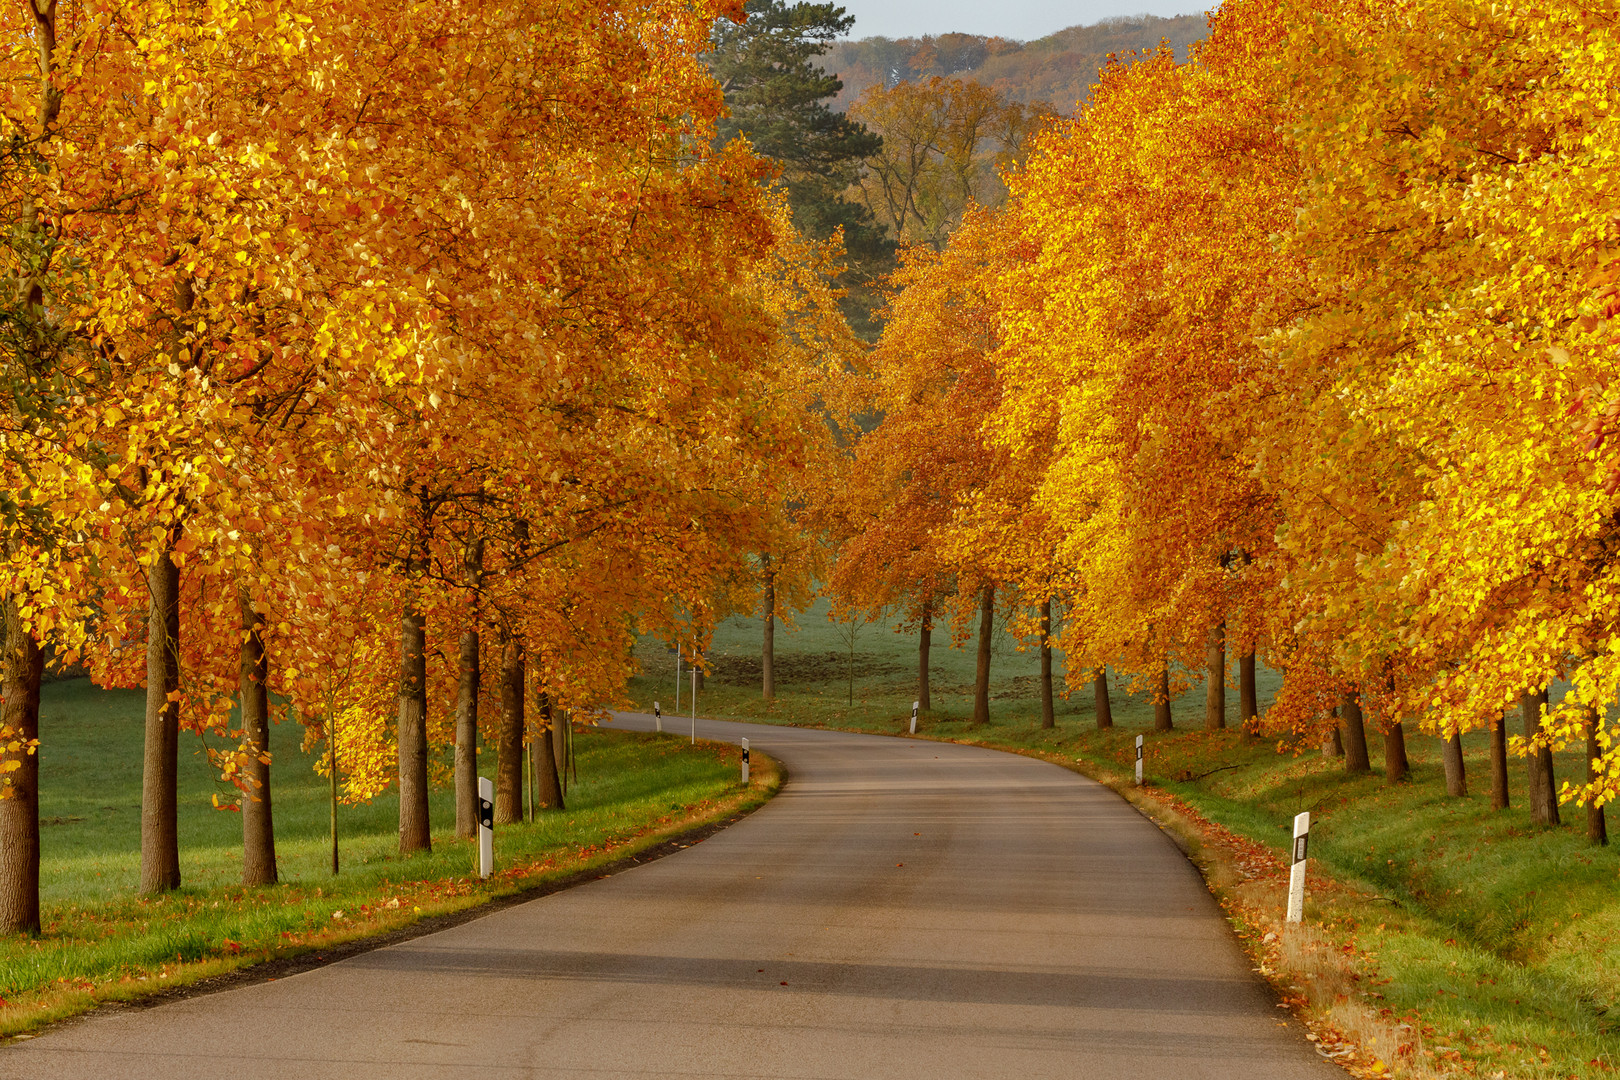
486, 827
914, 705
1139, 761
658, 718
1296, 875
694, 706
677, 680
745, 763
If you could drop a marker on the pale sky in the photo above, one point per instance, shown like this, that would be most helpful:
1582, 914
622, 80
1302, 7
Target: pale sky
1022, 20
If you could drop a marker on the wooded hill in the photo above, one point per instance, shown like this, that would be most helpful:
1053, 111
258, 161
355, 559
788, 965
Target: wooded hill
1059, 68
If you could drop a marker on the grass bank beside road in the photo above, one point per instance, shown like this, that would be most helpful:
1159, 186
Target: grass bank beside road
103, 942
1442, 938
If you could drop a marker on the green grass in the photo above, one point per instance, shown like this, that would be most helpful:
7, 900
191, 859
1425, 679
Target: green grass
102, 940
1495, 941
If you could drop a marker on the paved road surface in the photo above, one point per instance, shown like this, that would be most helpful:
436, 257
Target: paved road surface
902, 909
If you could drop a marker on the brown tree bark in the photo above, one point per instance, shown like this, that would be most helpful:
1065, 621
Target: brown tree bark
1333, 741
469, 679
1048, 713
415, 834
1162, 720
548, 793
1456, 772
1499, 764
1215, 679
258, 823
1355, 733
160, 768
509, 737
768, 654
1543, 790
1248, 694
1597, 830
981, 678
561, 722
925, 636
1099, 691
22, 665
1396, 766
467, 688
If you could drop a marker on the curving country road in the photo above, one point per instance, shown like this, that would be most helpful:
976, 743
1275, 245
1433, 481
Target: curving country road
902, 909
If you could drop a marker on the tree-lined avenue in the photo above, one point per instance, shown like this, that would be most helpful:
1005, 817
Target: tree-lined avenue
902, 909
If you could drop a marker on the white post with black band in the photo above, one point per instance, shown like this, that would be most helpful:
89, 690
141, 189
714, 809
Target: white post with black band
658, 718
1296, 875
486, 827
1139, 761
914, 706
745, 763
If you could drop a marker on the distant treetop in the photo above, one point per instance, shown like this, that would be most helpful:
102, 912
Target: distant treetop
1059, 68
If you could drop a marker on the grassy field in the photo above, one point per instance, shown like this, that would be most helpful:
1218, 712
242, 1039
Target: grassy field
1441, 939
101, 941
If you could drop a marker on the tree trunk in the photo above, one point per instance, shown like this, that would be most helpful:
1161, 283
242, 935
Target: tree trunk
160, 822
560, 724
1499, 765
768, 655
1099, 691
1248, 694
1048, 713
981, 679
1597, 830
1396, 767
22, 665
1543, 793
467, 688
258, 825
411, 734
1215, 686
1456, 773
509, 740
1333, 741
925, 637
548, 789
1161, 701
1355, 733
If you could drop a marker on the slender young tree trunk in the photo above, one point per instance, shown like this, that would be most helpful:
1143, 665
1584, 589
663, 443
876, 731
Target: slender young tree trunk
1396, 766
258, 823
1048, 713
768, 655
467, 688
1099, 691
509, 742
160, 823
415, 833
1161, 701
560, 723
1248, 694
1456, 774
548, 788
1355, 733
22, 666
1499, 763
925, 636
1215, 684
981, 679
1543, 792
1597, 830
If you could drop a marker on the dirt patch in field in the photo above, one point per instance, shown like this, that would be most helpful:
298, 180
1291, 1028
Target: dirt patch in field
801, 668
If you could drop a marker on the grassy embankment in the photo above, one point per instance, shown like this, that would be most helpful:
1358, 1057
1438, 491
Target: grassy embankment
102, 942
1441, 939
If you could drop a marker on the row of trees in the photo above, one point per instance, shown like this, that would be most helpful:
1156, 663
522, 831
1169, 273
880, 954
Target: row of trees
354, 351
1302, 348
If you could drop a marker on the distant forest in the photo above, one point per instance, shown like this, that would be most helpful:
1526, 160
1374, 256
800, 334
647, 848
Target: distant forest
1058, 69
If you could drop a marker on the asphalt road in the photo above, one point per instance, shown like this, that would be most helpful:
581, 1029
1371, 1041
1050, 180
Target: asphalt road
901, 909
